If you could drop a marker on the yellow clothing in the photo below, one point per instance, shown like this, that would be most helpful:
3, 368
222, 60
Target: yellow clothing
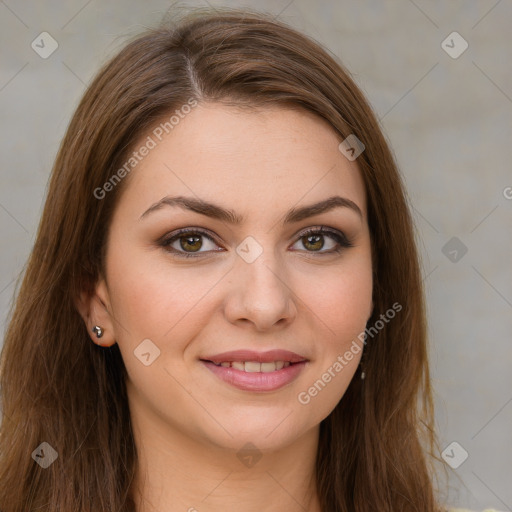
467, 510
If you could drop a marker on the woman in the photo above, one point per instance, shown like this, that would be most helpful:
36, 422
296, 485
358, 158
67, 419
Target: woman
223, 308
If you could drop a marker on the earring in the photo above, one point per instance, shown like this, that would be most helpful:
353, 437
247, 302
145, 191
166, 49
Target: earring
98, 331
363, 373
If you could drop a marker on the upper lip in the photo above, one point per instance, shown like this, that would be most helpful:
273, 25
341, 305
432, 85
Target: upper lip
260, 357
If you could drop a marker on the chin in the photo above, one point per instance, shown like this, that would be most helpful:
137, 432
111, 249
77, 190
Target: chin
267, 431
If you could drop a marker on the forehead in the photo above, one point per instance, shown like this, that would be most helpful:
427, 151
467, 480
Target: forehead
253, 161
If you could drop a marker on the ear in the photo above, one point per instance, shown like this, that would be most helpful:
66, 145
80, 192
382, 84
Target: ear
95, 310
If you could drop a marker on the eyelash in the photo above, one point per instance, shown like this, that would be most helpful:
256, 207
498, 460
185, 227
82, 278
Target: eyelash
338, 237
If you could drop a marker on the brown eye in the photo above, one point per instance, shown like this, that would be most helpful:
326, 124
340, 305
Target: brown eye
186, 242
314, 240
190, 242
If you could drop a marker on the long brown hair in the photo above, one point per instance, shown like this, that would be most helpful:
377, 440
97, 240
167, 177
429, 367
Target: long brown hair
376, 447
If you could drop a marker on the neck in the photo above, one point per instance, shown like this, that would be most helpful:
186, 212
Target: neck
178, 472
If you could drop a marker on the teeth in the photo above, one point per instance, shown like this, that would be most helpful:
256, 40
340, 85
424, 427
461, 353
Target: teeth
267, 367
254, 366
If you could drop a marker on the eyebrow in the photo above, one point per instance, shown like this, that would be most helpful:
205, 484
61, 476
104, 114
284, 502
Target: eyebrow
217, 212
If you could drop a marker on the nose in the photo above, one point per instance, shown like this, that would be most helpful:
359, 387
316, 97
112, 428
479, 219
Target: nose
260, 294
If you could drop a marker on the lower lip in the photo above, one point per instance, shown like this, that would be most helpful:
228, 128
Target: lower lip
256, 381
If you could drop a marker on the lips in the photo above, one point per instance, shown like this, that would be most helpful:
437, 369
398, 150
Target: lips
256, 371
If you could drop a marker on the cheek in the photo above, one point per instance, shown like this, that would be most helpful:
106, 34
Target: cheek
341, 307
342, 303
149, 300
152, 301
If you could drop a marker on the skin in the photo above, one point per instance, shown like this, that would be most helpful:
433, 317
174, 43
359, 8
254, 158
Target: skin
188, 424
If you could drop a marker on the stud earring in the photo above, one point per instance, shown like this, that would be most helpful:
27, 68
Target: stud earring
98, 331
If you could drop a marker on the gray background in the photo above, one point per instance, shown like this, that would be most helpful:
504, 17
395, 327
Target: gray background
449, 121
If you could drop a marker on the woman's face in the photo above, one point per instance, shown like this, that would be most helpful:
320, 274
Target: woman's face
257, 285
